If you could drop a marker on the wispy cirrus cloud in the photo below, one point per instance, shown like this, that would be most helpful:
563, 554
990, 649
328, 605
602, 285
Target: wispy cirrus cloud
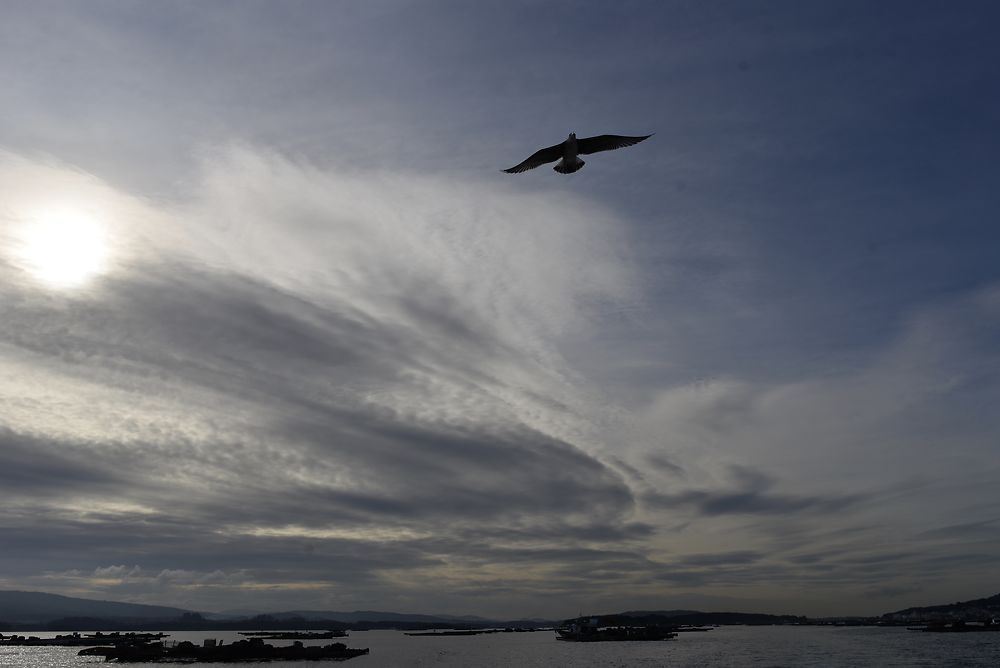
295, 347
351, 384
285, 401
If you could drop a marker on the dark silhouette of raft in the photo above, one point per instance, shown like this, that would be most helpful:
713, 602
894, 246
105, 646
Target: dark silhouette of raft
77, 640
593, 633
295, 635
252, 650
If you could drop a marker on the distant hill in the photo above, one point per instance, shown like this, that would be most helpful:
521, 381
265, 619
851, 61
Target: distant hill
28, 610
376, 615
361, 620
980, 609
694, 618
38, 607
660, 613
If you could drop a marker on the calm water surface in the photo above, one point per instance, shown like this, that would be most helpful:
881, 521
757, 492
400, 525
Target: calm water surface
734, 646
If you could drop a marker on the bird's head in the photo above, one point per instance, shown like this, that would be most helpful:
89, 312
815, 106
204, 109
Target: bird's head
572, 135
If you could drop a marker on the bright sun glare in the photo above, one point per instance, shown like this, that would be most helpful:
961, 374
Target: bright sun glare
64, 248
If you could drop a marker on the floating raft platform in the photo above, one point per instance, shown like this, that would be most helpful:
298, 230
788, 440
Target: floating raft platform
252, 650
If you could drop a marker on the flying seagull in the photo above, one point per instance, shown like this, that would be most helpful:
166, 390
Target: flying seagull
566, 152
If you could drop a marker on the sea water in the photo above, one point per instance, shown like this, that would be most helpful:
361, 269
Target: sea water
727, 646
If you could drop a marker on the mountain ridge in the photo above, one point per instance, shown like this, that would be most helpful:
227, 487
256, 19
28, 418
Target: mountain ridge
35, 606
18, 607
975, 609
364, 616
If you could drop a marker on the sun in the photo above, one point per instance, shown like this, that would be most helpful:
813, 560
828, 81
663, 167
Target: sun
64, 248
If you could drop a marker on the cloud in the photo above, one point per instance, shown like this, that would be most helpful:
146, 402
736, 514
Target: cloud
906, 406
338, 386
853, 477
300, 347
36, 467
750, 496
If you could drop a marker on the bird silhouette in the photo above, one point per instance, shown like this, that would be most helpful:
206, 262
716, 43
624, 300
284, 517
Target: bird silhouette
568, 151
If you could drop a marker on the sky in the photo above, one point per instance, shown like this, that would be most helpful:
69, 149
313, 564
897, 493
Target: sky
277, 333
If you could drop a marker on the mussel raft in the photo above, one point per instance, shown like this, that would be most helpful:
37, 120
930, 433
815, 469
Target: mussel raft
254, 649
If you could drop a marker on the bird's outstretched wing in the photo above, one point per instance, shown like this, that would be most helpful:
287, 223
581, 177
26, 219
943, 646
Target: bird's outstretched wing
606, 143
550, 154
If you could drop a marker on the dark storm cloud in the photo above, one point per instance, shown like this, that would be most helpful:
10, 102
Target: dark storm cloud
441, 471
193, 542
41, 467
753, 502
750, 495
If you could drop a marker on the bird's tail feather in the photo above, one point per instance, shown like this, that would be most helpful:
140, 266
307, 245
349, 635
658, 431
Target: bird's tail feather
563, 168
